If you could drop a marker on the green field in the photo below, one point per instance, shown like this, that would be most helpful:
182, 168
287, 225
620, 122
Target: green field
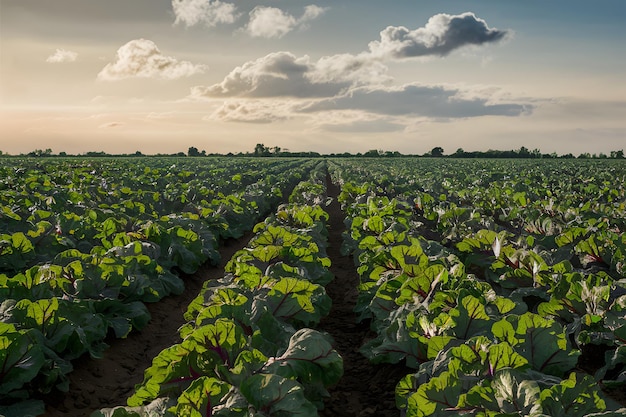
499, 283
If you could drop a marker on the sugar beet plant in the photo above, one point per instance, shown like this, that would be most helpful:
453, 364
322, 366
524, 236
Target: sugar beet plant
85, 243
246, 350
492, 293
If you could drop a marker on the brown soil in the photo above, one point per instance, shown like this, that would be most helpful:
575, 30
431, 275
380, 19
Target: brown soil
365, 389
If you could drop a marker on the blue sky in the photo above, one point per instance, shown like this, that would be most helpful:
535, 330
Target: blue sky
160, 76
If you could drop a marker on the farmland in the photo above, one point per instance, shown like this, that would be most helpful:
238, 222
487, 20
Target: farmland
401, 285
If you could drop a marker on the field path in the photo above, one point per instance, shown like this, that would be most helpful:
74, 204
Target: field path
365, 389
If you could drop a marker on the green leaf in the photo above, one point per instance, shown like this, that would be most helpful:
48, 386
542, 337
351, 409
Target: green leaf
296, 300
202, 395
502, 356
515, 394
157, 408
576, 396
274, 395
26, 408
438, 397
470, 317
309, 357
21, 358
545, 345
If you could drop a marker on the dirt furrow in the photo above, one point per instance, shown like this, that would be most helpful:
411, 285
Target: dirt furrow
365, 389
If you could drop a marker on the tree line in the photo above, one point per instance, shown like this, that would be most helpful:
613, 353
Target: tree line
261, 150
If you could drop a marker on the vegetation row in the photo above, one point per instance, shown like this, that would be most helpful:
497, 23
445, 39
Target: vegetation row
496, 284
85, 244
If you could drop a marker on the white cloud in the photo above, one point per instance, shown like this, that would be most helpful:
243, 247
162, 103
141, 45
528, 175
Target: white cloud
282, 74
141, 58
271, 22
442, 34
279, 74
211, 13
62, 55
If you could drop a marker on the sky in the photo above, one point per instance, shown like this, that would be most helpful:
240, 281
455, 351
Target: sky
160, 76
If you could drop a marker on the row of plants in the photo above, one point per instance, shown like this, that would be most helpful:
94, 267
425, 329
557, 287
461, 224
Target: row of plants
91, 264
248, 348
493, 321
52, 206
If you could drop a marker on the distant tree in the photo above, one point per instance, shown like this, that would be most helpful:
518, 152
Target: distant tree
276, 150
614, 154
459, 153
372, 153
39, 152
523, 152
261, 150
193, 151
437, 151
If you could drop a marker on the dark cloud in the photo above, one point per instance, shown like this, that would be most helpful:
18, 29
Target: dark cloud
418, 100
442, 34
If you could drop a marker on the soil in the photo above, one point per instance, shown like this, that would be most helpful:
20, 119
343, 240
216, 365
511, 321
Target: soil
364, 390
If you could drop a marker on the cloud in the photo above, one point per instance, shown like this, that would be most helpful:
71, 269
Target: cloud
431, 101
254, 111
279, 74
282, 74
355, 121
211, 13
271, 22
110, 125
62, 55
356, 88
141, 58
442, 34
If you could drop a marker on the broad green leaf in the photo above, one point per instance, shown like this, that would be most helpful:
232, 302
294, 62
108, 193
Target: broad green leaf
576, 396
309, 357
545, 345
470, 318
438, 397
515, 394
201, 396
274, 395
21, 358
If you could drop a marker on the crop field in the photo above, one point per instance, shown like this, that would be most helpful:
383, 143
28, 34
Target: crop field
226, 286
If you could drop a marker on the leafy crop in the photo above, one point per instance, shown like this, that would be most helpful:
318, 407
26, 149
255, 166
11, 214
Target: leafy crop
85, 243
491, 281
